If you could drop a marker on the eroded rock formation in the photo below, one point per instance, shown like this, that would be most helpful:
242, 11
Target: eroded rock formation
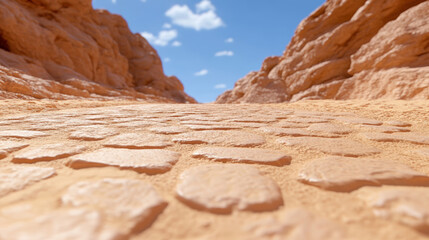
347, 49
64, 49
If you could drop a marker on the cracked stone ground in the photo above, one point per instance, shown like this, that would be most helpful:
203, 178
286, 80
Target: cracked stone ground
129, 170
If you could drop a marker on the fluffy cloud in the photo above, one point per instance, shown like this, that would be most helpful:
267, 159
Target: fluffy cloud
201, 73
163, 39
224, 53
205, 5
220, 86
229, 40
176, 44
166, 26
205, 17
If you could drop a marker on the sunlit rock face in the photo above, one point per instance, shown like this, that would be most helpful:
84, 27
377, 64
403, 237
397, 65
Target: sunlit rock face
62, 49
347, 49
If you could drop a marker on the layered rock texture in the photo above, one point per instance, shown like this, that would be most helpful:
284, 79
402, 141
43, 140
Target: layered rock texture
347, 49
63, 49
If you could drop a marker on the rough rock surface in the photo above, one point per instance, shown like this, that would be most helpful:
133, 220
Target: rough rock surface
347, 174
406, 205
347, 49
295, 224
112, 192
220, 188
66, 49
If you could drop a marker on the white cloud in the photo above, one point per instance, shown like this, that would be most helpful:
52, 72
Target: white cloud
229, 40
163, 39
205, 5
224, 53
204, 19
220, 86
166, 60
201, 73
113, 1
176, 44
166, 26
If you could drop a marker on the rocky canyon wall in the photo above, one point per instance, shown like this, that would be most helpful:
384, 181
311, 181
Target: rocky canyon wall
347, 49
64, 49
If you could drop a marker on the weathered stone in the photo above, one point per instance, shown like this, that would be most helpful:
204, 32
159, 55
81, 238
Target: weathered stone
405, 205
347, 174
81, 53
398, 123
243, 155
15, 178
348, 49
169, 129
134, 203
330, 128
334, 146
138, 141
398, 137
386, 129
229, 138
221, 188
306, 120
294, 224
295, 132
47, 153
12, 146
150, 161
91, 133
423, 152
359, 121
22, 134
63, 224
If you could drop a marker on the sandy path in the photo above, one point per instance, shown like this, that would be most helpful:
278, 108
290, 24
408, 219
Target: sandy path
127, 170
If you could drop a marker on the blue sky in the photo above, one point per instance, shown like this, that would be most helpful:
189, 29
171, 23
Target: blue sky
210, 44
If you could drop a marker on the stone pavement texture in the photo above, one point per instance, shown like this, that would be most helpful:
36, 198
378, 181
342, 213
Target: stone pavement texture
128, 170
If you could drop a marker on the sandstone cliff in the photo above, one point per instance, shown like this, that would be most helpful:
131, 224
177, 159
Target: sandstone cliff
347, 49
64, 49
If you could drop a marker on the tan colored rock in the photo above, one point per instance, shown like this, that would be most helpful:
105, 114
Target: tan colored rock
347, 49
92, 133
398, 124
397, 137
138, 141
22, 134
295, 132
222, 188
150, 161
359, 121
347, 174
12, 146
405, 205
47, 153
133, 203
79, 53
330, 128
15, 178
334, 146
243, 155
386, 129
423, 152
64, 224
228, 138
169, 129
294, 224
